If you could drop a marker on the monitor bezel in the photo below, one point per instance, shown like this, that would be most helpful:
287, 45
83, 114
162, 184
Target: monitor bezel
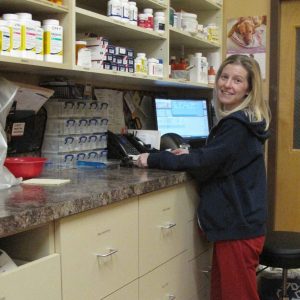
195, 139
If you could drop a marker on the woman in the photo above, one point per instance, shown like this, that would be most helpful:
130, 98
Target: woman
230, 172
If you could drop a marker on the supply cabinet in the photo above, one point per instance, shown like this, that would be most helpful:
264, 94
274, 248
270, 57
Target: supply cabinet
90, 16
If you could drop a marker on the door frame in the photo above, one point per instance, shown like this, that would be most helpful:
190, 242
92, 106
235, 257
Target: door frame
273, 102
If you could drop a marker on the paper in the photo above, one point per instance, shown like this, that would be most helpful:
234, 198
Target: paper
46, 181
114, 98
151, 137
30, 97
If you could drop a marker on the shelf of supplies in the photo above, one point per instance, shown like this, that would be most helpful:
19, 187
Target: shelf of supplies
195, 5
87, 21
33, 6
179, 37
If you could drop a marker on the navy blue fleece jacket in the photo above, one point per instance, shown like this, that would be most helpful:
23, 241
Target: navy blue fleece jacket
230, 172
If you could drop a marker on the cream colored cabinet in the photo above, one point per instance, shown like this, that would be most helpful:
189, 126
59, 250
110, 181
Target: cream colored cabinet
130, 291
38, 273
99, 250
162, 227
36, 280
169, 281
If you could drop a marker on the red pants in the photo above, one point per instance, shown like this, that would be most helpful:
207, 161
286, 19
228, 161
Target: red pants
234, 269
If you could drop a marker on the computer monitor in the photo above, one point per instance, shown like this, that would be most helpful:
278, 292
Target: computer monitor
190, 118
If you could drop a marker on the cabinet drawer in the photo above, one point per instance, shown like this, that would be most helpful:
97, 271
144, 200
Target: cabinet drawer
130, 291
99, 250
36, 280
166, 281
199, 273
162, 227
196, 240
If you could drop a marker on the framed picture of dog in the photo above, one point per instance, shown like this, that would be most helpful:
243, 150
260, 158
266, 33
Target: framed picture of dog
247, 35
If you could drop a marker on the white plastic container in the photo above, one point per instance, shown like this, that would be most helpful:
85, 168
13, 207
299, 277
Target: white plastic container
5, 32
150, 21
189, 22
83, 55
114, 9
159, 22
28, 35
133, 13
53, 41
159, 71
15, 24
39, 45
141, 63
195, 71
152, 66
125, 11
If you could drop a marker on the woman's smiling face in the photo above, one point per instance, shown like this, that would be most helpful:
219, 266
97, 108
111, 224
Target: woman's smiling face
232, 86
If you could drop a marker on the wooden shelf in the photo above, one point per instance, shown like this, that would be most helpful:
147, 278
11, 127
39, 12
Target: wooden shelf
179, 37
195, 5
33, 6
87, 21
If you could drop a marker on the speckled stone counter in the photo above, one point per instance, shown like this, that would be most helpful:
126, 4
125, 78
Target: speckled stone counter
26, 206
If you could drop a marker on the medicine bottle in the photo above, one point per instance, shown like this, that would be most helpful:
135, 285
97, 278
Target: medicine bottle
152, 66
133, 13
53, 41
4, 38
150, 22
28, 35
15, 25
125, 11
159, 22
39, 41
143, 20
211, 75
141, 64
114, 9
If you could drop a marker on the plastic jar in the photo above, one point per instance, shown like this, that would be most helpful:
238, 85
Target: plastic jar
159, 68
143, 20
53, 41
141, 63
125, 11
4, 38
152, 66
150, 21
189, 22
159, 21
28, 35
133, 13
39, 39
14, 23
114, 9
83, 54
212, 31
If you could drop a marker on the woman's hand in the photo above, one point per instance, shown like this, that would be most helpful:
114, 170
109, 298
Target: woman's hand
141, 162
180, 151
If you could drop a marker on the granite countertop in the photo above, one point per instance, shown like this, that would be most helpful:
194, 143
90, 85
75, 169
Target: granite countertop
26, 206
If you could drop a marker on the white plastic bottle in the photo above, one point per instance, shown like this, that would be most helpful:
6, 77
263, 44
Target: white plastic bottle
114, 9
204, 70
14, 23
125, 11
159, 22
141, 64
195, 71
152, 65
133, 13
39, 39
28, 35
159, 71
5, 31
149, 13
53, 41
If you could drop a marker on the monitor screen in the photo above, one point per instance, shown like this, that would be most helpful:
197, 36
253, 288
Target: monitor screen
187, 117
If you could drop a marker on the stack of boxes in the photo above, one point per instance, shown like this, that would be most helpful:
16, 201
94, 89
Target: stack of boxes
110, 57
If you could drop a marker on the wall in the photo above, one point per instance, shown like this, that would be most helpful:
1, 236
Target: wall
237, 8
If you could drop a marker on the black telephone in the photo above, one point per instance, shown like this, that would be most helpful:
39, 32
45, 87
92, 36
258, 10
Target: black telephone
121, 146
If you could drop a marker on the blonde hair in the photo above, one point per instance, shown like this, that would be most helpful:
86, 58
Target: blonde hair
254, 105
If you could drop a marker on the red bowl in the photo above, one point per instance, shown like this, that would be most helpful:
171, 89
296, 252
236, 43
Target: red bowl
26, 167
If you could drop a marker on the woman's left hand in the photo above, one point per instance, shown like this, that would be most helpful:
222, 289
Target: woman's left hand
141, 162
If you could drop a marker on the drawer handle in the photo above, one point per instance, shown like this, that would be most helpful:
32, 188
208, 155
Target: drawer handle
169, 226
172, 297
111, 252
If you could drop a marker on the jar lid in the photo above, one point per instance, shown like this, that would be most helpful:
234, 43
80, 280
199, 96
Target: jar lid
141, 54
25, 16
159, 14
188, 15
148, 11
9, 17
51, 22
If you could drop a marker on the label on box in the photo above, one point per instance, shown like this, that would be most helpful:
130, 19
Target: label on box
18, 129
